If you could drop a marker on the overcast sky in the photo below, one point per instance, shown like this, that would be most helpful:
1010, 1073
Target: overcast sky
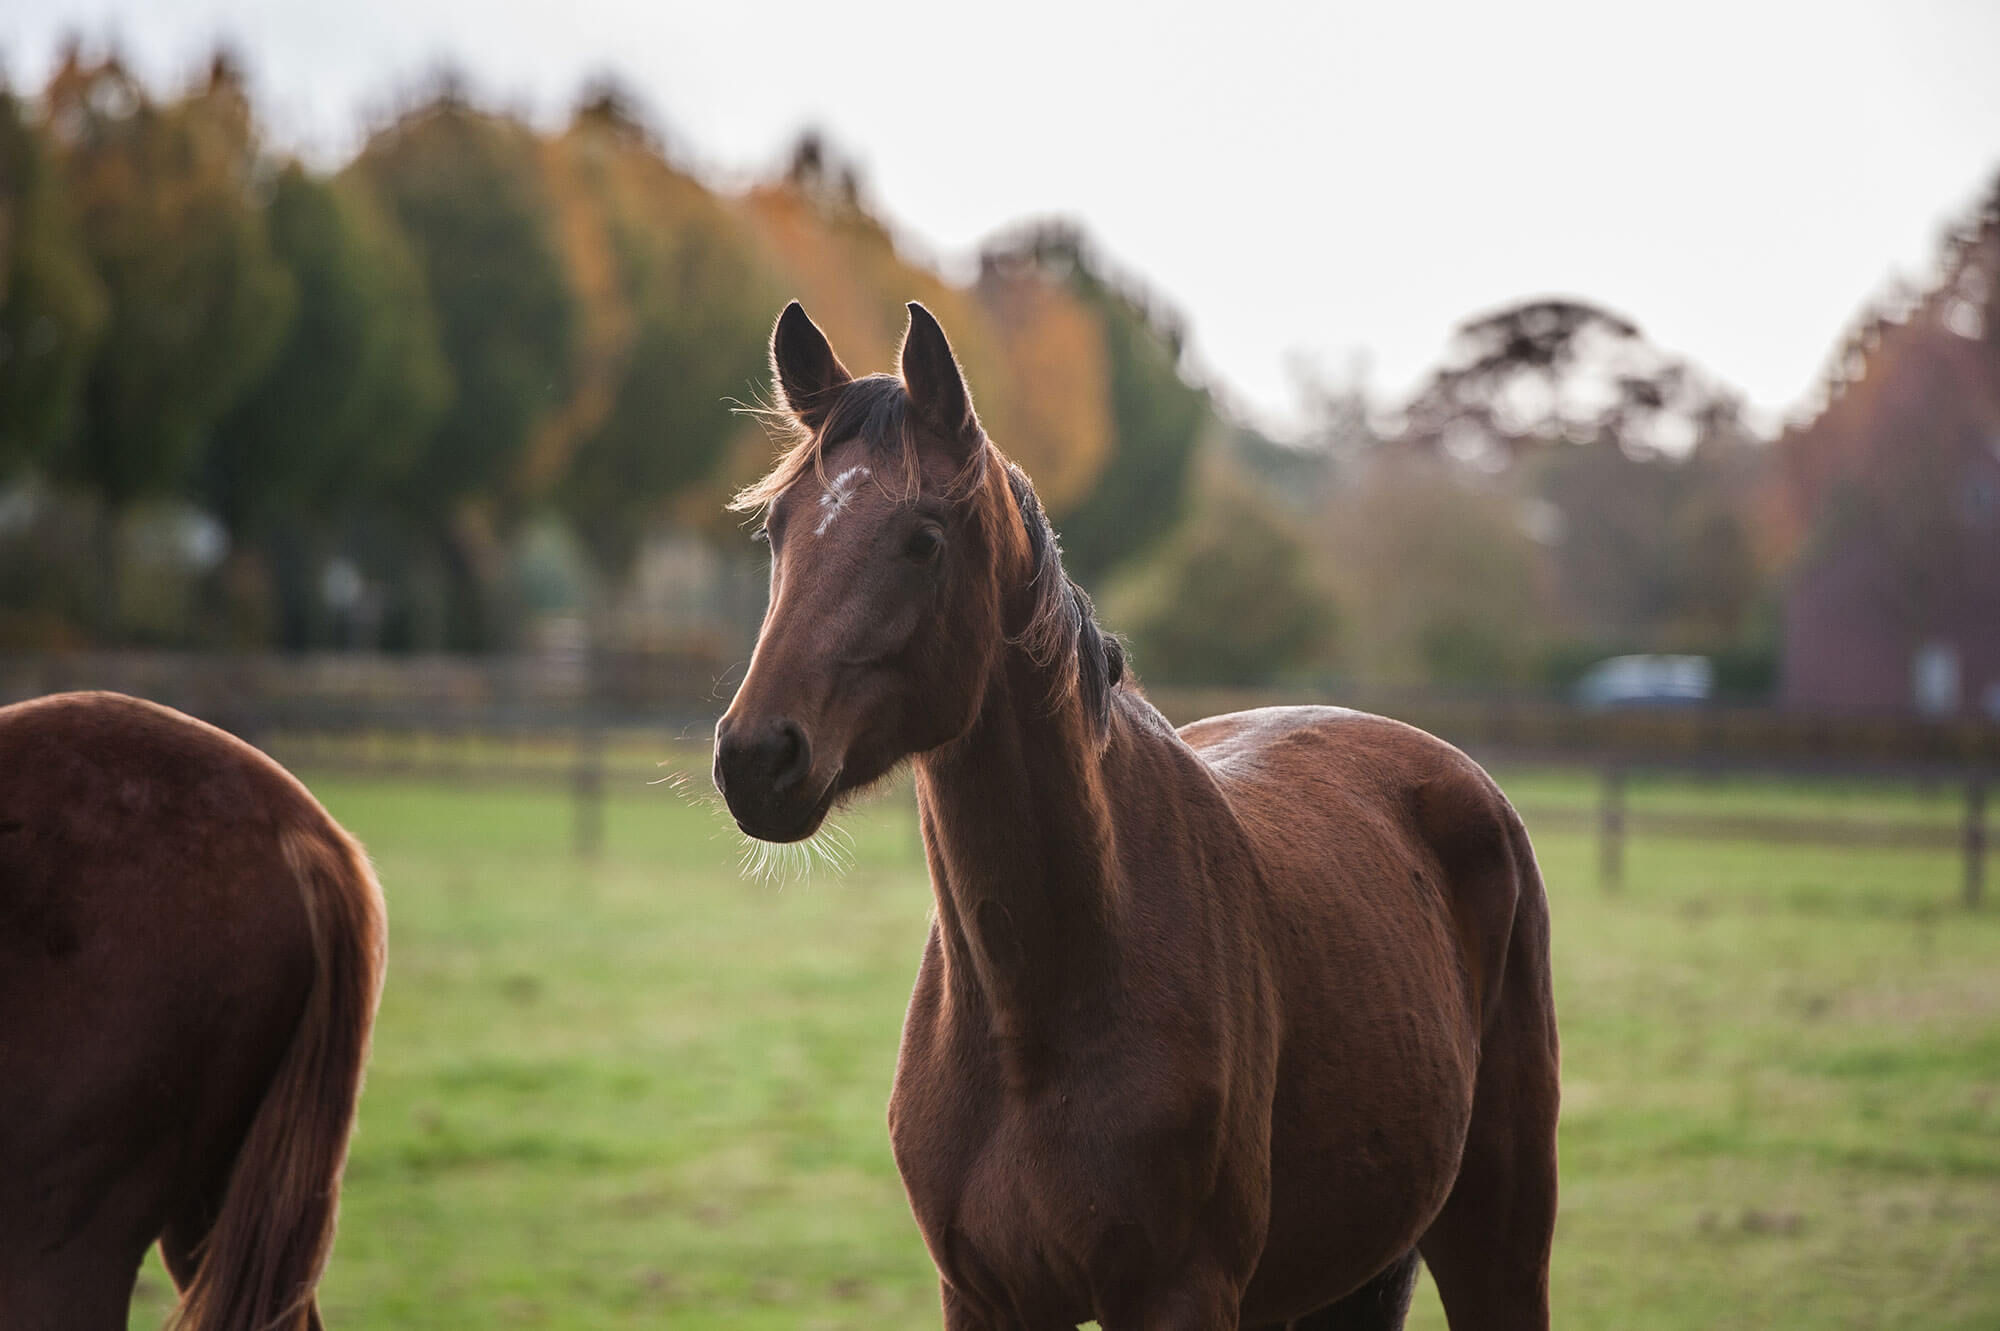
1305, 182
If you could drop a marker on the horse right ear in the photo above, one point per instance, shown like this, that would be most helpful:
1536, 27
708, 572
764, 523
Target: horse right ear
936, 384
804, 369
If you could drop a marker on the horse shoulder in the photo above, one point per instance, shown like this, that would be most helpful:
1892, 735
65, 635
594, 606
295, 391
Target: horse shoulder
1321, 793
1404, 808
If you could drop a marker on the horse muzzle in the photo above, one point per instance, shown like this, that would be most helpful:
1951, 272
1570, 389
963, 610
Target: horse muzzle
764, 769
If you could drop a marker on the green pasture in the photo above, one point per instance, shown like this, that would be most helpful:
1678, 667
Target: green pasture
648, 1092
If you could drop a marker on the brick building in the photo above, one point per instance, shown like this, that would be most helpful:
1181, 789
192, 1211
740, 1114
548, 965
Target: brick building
1889, 505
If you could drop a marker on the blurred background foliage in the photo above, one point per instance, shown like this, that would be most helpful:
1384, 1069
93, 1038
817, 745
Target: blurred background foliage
473, 391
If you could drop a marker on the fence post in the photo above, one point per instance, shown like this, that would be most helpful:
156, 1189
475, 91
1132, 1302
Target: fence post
588, 786
1975, 838
1611, 829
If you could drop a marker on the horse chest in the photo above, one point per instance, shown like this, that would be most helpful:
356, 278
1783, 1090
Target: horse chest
1050, 1198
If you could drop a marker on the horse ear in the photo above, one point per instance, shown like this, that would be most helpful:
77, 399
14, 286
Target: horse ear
935, 383
804, 368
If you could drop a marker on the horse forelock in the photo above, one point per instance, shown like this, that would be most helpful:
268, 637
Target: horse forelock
874, 409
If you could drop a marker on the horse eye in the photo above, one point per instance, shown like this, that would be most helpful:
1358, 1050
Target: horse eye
762, 535
923, 545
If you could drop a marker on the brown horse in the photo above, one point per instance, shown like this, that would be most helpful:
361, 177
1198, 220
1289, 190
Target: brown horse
190, 956
1214, 1027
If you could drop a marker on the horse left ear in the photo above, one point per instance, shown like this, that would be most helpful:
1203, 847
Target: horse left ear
935, 383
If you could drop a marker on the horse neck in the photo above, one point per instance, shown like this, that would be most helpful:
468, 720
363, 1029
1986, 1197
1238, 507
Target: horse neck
1017, 830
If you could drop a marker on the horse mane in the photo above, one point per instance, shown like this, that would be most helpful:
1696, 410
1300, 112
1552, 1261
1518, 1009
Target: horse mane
1062, 631
1062, 634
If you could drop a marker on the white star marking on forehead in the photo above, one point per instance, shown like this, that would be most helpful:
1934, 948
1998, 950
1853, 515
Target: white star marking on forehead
837, 496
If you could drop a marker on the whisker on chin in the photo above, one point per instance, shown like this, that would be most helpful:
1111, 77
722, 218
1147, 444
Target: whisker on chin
831, 849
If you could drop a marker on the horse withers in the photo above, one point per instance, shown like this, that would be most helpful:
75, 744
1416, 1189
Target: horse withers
191, 951
1214, 1027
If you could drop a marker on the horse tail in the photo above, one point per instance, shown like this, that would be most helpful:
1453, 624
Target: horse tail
262, 1259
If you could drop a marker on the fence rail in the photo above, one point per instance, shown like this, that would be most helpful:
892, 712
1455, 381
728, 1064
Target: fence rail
518, 719
586, 760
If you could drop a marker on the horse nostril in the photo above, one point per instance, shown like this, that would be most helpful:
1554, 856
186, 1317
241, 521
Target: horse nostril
791, 756
761, 760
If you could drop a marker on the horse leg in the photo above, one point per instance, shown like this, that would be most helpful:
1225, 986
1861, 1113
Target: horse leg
83, 1288
962, 1314
1488, 1250
959, 1314
74, 1227
1200, 1300
1380, 1305
1187, 1309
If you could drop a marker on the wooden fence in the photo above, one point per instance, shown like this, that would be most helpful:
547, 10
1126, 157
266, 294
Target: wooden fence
593, 757
514, 719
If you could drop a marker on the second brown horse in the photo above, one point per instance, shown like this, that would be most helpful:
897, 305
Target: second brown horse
190, 956
1215, 1027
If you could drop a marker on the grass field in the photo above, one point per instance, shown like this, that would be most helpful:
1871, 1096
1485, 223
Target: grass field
649, 1092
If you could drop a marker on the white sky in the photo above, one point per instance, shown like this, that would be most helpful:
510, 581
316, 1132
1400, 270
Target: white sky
1305, 182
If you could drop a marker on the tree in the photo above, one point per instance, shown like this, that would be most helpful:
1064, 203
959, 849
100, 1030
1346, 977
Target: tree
1157, 415
1652, 553
1560, 371
1967, 300
352, 398
1230, 598
1057, 423
823, 246
197, 302
678, 310
1436, 580
469, 191
1643, 462
52, 306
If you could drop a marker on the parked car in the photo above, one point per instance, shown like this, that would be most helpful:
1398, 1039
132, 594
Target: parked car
1625, 681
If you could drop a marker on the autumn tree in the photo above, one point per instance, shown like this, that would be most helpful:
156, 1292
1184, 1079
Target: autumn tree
825, 247
1157, 416
1057, 419
1031, 350
676, 313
